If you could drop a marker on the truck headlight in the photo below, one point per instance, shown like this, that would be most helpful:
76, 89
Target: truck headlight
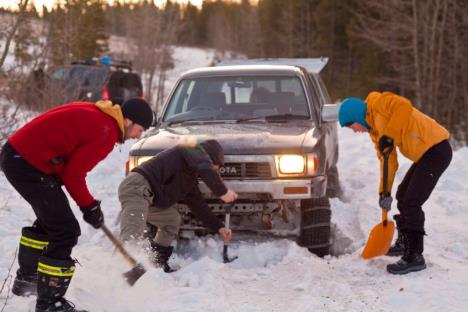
290, 164
134, 161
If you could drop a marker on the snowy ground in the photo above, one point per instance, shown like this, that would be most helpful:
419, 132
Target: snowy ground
272, 275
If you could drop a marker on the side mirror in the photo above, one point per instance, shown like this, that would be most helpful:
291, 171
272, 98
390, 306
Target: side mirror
329, 112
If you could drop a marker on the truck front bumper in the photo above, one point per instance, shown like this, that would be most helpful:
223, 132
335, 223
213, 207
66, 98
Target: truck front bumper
277, 189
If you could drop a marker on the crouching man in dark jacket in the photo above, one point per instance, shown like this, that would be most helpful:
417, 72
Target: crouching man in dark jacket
149, 192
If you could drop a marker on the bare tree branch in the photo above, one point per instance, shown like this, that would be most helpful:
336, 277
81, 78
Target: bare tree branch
8, 278
22, 5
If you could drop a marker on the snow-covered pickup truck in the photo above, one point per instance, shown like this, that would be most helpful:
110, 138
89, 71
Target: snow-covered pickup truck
279, 135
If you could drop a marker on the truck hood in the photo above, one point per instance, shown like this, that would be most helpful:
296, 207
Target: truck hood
236, 139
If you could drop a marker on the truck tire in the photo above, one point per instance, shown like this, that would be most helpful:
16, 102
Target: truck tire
315, 229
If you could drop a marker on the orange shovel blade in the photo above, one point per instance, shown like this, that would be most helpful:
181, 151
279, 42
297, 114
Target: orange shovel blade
380, 238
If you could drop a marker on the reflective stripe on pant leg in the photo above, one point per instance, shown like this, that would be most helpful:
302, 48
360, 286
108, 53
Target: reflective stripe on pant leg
168, 222
32, 243
56, 267
54, 277
31, 246
55, 271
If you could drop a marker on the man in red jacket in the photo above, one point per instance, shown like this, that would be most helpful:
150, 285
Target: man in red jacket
59, 148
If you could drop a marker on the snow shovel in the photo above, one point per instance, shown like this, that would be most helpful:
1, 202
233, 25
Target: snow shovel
137, 268
381, 236
226, 258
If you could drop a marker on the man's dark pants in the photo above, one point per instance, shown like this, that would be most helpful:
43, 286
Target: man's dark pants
50, 204
418, 184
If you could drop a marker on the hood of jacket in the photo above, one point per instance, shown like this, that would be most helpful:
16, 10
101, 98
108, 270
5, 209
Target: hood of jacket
115, 112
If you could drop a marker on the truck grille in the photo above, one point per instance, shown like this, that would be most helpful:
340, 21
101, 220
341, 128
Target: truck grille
250, 170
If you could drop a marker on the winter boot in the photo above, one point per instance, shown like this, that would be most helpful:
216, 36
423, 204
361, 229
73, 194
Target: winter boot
161, 255
31, 246
398, 248
54, 276
412, 260
150, 232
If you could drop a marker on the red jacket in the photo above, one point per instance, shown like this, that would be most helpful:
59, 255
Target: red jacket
79, 135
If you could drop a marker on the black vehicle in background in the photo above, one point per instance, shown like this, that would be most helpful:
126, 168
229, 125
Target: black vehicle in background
93, 80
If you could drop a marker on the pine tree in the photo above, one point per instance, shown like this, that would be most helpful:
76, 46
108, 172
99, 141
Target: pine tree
189, 33
77, 31
90, 39
273, 35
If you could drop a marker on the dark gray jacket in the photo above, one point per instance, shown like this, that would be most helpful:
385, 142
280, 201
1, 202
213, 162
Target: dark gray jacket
172, 175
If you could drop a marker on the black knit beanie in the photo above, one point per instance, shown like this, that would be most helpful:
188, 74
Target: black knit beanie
214, 150
138, 111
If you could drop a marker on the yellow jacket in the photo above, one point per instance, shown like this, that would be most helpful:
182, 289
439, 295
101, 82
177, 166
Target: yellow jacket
412, 131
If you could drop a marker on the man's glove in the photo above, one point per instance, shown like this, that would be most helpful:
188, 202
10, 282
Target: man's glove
385, 201
93, 214
229, 197
384, 143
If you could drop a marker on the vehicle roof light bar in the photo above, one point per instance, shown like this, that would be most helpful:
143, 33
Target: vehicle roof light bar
117, 64
311, 65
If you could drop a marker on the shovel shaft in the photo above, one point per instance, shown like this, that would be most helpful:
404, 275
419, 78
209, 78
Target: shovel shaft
384, 216
226, 258
386, 155
118, 245
380, 237
227, 220
226, 226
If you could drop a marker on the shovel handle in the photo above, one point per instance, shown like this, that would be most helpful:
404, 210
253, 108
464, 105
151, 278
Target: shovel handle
386, 155
227, 219
228, 209
384, 183
384, 216
118, 245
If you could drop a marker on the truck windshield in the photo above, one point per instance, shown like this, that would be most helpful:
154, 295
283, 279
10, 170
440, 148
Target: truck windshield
233, 98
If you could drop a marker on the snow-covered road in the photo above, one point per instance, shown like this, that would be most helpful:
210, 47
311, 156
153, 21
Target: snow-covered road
272, 275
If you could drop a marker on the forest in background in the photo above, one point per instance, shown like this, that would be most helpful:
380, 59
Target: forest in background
412, 47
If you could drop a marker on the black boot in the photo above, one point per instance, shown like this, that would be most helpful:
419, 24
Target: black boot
31, 246
150, 231
398, 248
54, 277
161, 255
412, 260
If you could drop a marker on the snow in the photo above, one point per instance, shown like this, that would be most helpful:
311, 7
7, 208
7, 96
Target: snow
269, 275
186, 58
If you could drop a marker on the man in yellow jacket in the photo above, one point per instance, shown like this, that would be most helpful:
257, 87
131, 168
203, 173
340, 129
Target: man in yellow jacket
391, 120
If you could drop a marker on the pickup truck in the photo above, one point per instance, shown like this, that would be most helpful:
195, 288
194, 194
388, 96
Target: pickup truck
275, 122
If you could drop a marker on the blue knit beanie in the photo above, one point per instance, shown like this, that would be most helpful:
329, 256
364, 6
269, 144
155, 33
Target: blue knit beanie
352, 110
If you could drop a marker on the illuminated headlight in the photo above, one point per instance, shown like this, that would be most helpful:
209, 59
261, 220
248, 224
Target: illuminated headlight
142, 159
290, 164
135, 161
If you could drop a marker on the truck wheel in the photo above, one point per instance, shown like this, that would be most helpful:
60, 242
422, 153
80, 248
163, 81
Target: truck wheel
315, 225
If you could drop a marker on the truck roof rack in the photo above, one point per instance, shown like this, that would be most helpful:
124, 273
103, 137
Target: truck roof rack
311, 65
117, 64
